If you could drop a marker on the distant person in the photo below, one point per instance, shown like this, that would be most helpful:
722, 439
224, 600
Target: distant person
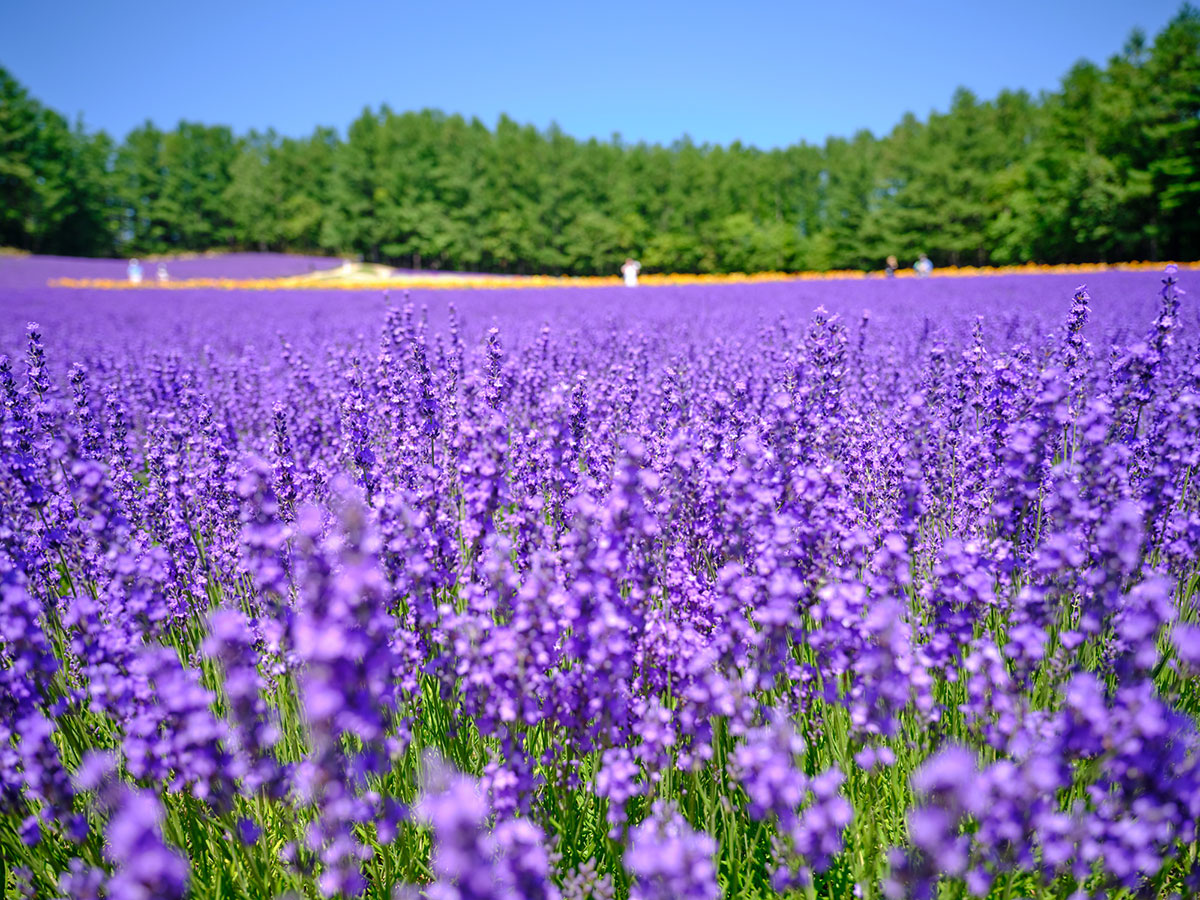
630, 270
161, 274
892, 265
923, 266
135, 272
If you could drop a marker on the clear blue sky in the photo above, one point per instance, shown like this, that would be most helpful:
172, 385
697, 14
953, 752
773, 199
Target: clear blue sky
767, 73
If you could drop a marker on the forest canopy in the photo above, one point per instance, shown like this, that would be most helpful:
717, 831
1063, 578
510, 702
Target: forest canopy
1105, 168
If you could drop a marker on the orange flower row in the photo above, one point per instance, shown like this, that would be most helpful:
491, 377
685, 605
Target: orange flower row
302, 282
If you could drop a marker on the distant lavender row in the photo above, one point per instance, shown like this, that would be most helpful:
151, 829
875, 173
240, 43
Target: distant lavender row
1120, 300
35, 271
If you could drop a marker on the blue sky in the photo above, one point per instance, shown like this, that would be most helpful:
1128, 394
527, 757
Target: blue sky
765, 73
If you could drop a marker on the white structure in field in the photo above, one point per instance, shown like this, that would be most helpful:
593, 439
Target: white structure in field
630, 271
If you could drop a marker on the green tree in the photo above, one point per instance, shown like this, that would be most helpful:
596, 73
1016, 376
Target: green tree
1173, 73
53, 178
851, 193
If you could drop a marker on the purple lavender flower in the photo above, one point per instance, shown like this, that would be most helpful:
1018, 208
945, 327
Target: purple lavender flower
668, 859
468, 860
144, 867
254, 731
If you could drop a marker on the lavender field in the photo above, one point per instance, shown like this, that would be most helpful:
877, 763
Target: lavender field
862, 589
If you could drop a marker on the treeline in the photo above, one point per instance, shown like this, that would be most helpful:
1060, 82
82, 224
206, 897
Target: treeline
1106, 168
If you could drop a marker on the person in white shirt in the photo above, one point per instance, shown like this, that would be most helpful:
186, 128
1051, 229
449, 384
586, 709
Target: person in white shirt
923, 266
135, 271
630, 271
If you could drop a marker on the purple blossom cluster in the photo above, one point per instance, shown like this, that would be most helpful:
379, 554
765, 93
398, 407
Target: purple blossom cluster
718, 592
